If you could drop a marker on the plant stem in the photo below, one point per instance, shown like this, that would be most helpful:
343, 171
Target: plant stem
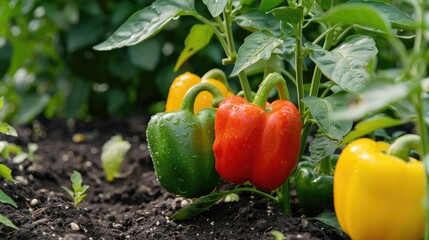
218, 34
231, 52
284, 198
253, 190
298, 64
417, 74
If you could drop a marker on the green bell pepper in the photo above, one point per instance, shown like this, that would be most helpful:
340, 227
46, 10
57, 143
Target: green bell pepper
180, 144
314, 185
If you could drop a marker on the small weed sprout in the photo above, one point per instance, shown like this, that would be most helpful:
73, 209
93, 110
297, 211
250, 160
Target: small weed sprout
78, 193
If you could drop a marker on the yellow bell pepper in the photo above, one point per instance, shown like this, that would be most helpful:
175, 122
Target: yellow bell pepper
377, 195
187, 80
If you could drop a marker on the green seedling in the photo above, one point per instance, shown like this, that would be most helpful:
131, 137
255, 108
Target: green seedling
78, 193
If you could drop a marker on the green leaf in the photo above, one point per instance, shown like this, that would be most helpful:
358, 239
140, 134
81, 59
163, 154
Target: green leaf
1, 102
254, 20
198, 206
80, 198
69, 192
146, 55
358, 14
82, 189
347, 64
288, 14
322, 112
330, 220
369, 125
277, 235
6, 221
257, 46
199, 37
215, 6
6, 172
146, 22
267, 5
76, 179
112, 155
375, 97
7, 129
232, 197
4, 198
322, 147
397, 18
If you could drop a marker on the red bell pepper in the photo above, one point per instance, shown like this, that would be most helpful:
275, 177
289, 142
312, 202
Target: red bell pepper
257, 144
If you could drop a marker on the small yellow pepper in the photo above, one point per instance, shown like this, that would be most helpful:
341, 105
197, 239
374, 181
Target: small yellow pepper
184, 82
378, 196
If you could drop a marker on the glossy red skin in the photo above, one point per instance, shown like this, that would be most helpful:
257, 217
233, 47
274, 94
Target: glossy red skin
254, 145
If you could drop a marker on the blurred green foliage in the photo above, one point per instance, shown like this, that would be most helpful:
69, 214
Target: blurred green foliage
48, 67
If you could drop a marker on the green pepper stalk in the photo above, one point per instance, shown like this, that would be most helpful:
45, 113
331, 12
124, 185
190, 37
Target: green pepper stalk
180, 144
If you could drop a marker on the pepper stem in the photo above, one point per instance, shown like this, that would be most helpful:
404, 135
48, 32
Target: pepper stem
217, 74
284, 198
325, 166
402, 146
192, 93
272, 80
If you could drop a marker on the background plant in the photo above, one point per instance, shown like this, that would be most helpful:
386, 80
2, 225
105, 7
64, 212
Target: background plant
45, 51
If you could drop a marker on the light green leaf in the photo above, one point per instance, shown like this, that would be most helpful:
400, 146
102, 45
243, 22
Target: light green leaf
80, 198
322, 147
257, 46
330, 220
232, 197
322, 112
112, 155
7, 129
215, 6
1, 102
83, 189
347, 64
198, 206
358, 14
7, 222
375, 97
68, 191
369, 125
277, 235
288, 14
254, 20
4, 198
199, 37
76, 179
397, 18
6, 172
146, 22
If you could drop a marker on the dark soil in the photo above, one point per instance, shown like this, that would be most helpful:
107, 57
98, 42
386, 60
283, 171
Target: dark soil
133, 207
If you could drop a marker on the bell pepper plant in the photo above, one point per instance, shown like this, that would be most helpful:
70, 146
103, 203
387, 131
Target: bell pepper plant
328, 53
180, 144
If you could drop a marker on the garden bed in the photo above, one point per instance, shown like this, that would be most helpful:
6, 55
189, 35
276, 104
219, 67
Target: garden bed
133, 207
